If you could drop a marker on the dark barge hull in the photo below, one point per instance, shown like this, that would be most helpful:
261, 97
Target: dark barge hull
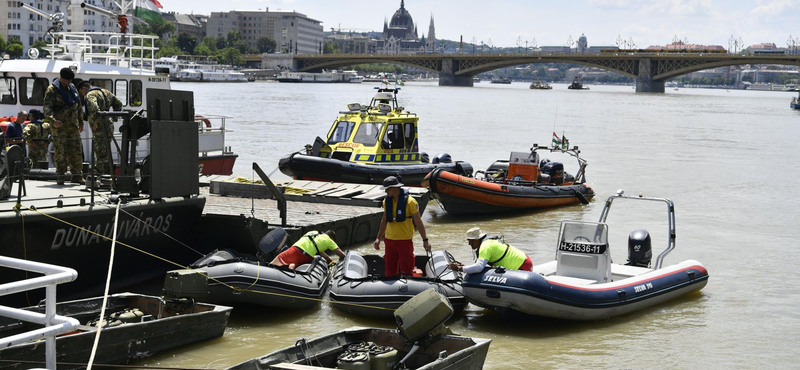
164, 225
306, 167
465, 195
121, 344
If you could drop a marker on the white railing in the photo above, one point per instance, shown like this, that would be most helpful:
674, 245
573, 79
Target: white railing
54, 324
123, 50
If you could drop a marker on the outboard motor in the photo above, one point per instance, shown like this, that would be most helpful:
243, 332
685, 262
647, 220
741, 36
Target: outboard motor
442, 158
556, 172
639, 249
464, 169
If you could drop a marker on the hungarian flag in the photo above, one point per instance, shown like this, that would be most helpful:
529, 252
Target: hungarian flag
149, 11
556, 140
385, 81
564, 142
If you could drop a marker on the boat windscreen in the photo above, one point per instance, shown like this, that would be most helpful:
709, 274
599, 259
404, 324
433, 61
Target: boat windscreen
586, 232
341, 132
368, 132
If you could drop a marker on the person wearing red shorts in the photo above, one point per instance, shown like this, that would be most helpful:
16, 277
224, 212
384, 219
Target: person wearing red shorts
494, 253
397, 228
310, 245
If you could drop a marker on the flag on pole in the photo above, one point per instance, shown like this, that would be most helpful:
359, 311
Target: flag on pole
385, 81
149, 10
398, 81
556, 140
564, 142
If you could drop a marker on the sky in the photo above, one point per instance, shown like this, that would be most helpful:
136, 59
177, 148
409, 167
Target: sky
505, 22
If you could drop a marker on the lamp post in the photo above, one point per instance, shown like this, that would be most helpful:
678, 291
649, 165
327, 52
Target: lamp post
569, 44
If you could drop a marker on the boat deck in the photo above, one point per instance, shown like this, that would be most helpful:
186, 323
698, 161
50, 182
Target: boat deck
47, 194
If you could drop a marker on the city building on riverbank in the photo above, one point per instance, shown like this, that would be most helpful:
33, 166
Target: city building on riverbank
292, 31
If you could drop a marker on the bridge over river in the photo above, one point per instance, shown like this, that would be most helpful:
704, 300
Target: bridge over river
650, 70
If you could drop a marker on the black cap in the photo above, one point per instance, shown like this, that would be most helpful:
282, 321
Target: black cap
391, 182
67, 74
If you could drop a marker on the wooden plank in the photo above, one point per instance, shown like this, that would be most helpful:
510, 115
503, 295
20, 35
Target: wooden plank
344, 193
288, 366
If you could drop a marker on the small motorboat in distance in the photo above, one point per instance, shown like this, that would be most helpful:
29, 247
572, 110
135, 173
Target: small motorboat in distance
421, 342
359, 287
523, 182
582, 283
366, 144
540, 85
576, 84
795, 102
135, 326
228, 276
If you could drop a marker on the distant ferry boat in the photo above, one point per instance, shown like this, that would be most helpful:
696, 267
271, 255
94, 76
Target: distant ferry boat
214, 75
324, 77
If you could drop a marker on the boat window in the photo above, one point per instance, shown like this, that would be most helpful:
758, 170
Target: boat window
410, 134
394, 137
136, 93
367, 133
8, 90
106, 84
341, 132
31, 90
121, 91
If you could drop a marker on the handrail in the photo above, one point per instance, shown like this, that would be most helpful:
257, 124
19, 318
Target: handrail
670, 220
54, 324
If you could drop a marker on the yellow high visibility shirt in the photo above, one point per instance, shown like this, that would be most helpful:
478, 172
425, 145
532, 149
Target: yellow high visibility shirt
323, 241
492, 250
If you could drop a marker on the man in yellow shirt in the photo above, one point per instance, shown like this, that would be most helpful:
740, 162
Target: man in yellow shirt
396, 225
494, 253
309, 245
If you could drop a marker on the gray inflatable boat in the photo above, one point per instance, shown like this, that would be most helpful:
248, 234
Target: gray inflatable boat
359, 287
228, 276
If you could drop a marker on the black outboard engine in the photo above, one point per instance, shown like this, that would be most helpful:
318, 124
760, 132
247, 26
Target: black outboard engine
639, 249
442, 158
464, 168
556, 172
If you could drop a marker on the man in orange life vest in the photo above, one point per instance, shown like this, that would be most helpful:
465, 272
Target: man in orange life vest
399, 210
494, 253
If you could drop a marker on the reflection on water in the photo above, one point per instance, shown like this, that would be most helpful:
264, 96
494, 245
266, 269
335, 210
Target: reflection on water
722, 157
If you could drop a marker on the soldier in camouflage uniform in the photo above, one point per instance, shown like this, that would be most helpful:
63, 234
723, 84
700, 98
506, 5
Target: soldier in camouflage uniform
62, 110
37, 136
100, 100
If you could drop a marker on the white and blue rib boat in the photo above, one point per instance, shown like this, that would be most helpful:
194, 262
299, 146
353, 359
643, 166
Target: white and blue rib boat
582, 283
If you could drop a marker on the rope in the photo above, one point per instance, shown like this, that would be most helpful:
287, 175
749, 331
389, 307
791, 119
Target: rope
105, 293
24, 247
203, 274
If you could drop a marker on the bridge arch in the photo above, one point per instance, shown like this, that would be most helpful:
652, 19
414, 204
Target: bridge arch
667, 73
430, 66
625, 69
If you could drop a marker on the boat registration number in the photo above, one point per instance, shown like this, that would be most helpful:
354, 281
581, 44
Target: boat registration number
582, 248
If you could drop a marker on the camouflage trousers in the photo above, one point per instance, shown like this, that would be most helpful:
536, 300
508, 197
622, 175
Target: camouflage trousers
67, 149
37, 154
102, 149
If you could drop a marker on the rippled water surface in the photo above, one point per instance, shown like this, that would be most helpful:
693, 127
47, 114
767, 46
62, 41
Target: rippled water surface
728, 159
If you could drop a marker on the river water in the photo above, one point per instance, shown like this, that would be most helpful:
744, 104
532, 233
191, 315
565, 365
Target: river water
722, 156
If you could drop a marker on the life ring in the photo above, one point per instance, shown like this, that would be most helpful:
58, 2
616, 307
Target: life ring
199, 117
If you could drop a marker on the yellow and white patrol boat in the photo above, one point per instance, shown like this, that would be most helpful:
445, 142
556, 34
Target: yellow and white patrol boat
368, 143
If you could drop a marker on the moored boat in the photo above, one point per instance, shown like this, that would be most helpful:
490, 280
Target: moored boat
522, 182
228, 276
501, 80
368, 143
420, 342
582, 283
359, 287
795, 104
135, 326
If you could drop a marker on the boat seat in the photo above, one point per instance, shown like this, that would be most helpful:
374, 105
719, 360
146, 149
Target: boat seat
619, 272
355, 266
584, 266
546, 269
440, 268
570, 280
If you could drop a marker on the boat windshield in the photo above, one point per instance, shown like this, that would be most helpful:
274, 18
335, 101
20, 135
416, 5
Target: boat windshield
341, 132
367, 133
583, 232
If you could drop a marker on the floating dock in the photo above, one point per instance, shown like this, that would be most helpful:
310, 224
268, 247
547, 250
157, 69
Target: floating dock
238, 213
